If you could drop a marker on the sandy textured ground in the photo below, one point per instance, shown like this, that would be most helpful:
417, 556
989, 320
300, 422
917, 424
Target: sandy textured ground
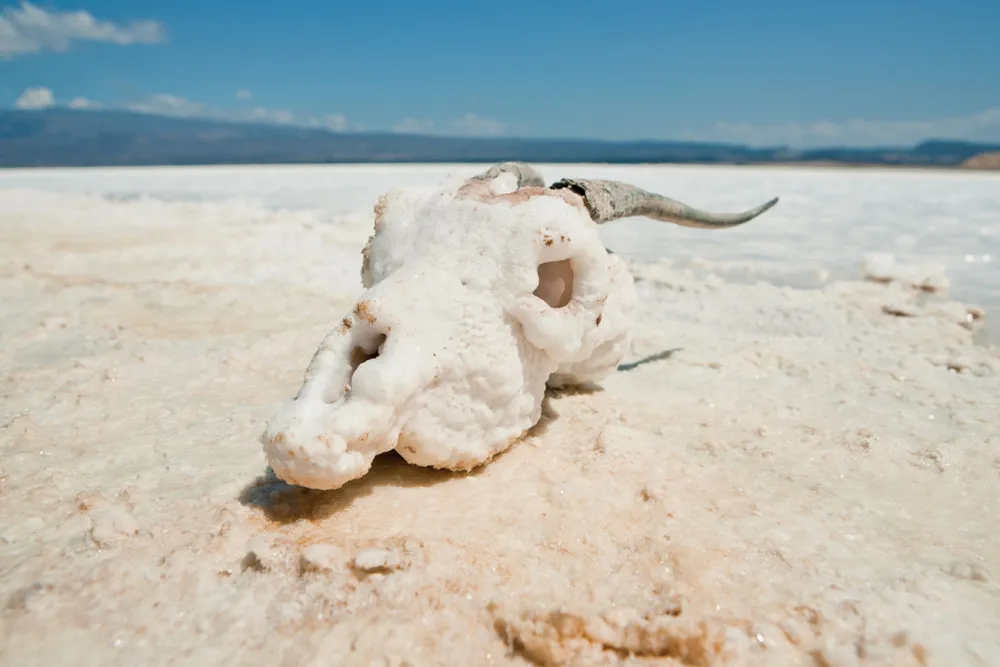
778, 476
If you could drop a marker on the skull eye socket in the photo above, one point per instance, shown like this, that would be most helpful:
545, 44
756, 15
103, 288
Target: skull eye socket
555, 283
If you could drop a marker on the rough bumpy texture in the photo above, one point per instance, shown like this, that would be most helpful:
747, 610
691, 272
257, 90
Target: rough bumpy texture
476, 300
775, 477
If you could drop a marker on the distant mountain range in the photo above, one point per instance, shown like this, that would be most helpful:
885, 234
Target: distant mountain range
76, 138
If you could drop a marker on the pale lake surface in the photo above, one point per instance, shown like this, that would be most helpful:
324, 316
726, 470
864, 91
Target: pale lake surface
828, 219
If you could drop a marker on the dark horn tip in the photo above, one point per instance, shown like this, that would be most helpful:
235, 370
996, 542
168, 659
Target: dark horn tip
566, 183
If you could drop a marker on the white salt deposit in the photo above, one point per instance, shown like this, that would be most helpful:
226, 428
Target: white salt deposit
828, 220
776, 476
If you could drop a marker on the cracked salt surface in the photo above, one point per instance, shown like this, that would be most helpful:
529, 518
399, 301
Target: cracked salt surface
777, 475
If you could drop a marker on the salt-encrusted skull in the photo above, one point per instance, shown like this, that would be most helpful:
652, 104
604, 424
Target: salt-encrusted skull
476, 297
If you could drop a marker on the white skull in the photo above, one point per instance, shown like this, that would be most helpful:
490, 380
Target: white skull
477, 297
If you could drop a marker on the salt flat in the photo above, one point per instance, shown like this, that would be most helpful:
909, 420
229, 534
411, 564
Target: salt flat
828, 219
793, 476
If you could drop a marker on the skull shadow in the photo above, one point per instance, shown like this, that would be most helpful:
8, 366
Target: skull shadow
286, 503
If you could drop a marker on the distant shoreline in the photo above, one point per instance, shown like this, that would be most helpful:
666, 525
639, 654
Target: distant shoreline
787, 164
74, 138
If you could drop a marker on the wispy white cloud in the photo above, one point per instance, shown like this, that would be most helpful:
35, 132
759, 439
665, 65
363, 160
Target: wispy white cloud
168, 105
470, 125
983, 126
36, 98
31, 29
276, 116
174, 105
474, 125
243, 94
336, 122
83, 103
414, 126
41, 97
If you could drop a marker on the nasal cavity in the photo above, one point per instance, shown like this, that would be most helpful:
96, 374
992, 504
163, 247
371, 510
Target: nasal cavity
366, 351
555, 283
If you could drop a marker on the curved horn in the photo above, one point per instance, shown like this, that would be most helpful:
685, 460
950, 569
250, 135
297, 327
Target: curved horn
526, 176
611, 200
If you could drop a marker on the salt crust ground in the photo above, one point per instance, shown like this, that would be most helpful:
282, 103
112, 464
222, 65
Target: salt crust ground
778, 476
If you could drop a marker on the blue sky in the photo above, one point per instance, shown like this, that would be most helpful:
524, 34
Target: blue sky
768, 72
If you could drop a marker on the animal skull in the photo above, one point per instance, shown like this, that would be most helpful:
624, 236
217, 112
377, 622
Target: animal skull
476, 298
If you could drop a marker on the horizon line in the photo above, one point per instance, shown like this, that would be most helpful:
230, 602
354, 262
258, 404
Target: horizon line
254, 122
